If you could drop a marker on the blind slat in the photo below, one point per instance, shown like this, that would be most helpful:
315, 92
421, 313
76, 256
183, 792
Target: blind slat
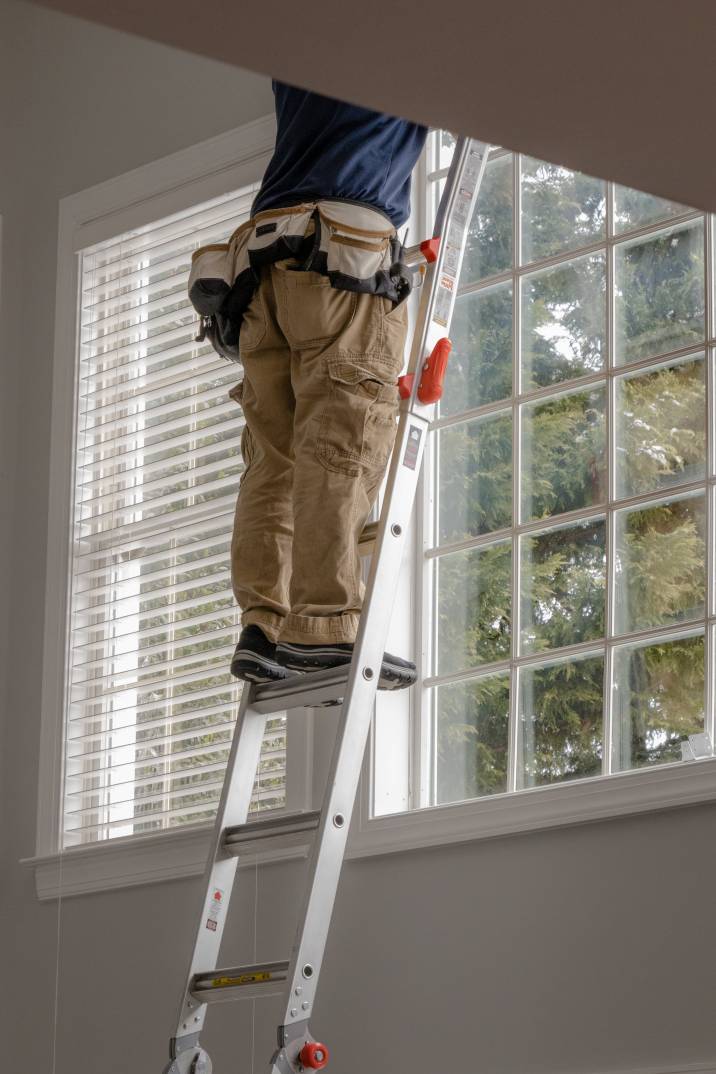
267, 757
155, 819
110, 685
226, 207
153, 623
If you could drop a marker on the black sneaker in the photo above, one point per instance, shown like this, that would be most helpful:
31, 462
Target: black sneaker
395, 673
254, 658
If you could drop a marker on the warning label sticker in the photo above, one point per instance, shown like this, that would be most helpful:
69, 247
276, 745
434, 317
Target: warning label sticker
452, 253
216, 908
443, 301
245, 978
412, 448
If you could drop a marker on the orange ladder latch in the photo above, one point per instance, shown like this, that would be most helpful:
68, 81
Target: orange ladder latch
432, 375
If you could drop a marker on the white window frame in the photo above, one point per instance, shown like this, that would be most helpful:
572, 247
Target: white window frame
578, 801
138, 198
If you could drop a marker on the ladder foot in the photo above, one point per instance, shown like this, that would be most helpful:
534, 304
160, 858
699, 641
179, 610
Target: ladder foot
314, 1055
193, 1061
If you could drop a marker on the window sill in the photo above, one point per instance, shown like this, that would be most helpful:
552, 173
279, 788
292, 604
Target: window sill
139, 859
180, 854
563, 805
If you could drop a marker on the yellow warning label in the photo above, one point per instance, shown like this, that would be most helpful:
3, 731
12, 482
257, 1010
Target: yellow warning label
245, 978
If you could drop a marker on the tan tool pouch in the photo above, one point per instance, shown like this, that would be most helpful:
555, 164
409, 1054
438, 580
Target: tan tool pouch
357, 244
354, 245
210, 277
280, 233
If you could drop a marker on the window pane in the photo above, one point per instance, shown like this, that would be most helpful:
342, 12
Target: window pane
560, 729
563, 454
658, 701
437, 187
480, 366
489, 243
660, 293
475, 477
660, 564
634, 208
561, 209
563, 580
563, 318
472, 734
444, 148
661, 427
474, 598
151, 705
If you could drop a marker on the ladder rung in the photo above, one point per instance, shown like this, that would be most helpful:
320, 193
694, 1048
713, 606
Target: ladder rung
243, 837
239, 982
311, 690
413, 255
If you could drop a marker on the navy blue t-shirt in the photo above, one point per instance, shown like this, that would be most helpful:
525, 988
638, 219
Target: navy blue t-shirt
329, 149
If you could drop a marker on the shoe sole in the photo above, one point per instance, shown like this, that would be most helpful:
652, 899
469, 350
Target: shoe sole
392, 676
250, 667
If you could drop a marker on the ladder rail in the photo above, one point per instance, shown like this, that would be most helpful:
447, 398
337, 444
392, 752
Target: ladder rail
220, 873
439, 293
355, 686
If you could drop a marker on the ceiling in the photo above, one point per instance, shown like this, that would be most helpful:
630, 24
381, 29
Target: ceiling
622, 89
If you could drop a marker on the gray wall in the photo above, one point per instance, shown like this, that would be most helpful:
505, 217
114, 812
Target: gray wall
583, 950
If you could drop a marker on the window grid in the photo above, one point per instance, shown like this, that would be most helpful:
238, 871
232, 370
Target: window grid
610, 375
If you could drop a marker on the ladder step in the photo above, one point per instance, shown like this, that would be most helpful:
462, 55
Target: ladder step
239, 982
243, 838
311, 690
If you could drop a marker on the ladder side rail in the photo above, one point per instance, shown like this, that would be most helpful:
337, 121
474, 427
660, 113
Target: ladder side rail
220, 873
439, 294
440, 288
457, 163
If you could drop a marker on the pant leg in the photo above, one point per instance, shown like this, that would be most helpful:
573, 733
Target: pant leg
263, 522
346, 354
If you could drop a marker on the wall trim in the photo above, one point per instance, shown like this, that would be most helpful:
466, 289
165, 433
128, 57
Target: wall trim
583, 801
182, 853
160, 188
708, 1066
138, 860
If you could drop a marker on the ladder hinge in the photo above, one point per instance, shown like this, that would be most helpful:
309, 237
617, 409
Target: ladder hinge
182, 1044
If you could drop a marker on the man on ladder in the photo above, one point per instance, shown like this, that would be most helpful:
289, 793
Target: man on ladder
321, 343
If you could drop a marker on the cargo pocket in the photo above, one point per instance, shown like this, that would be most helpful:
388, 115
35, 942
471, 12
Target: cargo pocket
357, 428
254, 323
312, 311
394, 330
247, 443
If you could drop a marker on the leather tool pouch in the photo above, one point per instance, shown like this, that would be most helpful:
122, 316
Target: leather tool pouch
352, 244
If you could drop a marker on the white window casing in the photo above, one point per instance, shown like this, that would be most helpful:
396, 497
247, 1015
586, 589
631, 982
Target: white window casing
611, 788
131, 509
138, 703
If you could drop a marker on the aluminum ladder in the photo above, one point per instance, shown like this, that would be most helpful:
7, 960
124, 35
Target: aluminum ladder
353, 687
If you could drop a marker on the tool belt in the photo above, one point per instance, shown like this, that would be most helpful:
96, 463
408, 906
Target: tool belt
355, 246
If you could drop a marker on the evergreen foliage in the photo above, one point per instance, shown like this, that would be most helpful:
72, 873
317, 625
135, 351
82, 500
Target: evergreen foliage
660, 550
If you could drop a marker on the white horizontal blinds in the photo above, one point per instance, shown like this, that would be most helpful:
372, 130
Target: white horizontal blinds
153, 624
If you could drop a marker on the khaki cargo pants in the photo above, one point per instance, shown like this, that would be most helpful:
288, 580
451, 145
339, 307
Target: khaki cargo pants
320, 400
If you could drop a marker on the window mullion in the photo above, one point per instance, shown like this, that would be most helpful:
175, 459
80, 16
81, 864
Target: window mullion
710, 355
423, 759
514, 720
611, 434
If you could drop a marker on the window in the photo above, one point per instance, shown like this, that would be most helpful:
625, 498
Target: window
568, 488
153, 622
